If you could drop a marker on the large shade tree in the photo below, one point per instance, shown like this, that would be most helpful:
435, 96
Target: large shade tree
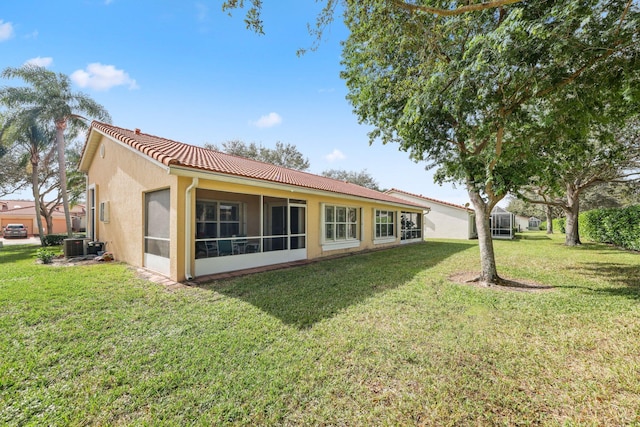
52, 95
362, 178
605, 154
458, 91
453, 82
611, 195
286, 155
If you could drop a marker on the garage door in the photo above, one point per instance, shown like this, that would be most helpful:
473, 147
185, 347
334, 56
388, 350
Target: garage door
28, 222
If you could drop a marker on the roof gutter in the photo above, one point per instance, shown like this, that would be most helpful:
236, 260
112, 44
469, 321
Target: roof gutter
187, 228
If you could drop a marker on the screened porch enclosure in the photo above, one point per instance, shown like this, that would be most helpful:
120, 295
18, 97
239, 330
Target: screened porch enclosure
157, 244
502, 224
411, 225
236, 231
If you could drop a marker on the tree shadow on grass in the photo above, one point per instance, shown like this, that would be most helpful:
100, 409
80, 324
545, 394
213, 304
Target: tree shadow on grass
303, 296
12, 253
626, 277
531, 237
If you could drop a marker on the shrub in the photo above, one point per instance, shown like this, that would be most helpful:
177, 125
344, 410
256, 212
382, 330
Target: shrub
53, 239
45, 255
583, 229
620, 227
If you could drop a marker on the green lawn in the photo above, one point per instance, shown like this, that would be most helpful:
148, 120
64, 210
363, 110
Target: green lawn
376, 339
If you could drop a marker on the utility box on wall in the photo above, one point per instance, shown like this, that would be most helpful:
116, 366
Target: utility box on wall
104, 212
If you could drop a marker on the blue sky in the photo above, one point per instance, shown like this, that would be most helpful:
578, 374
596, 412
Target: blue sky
185, 70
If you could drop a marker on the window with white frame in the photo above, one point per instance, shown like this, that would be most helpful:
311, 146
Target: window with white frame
340, 223
385, 224
217, 219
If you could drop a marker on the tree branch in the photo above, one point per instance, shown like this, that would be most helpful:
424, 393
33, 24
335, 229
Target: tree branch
499, 136
544, 201
413, 8
624, 15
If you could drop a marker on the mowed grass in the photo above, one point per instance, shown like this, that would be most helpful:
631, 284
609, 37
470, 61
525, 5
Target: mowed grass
382, 338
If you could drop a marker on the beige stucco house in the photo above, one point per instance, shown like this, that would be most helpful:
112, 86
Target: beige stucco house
185, 211
444, 220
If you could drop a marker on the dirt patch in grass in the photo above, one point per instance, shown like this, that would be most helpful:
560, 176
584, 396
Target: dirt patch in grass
506, 284
61, 261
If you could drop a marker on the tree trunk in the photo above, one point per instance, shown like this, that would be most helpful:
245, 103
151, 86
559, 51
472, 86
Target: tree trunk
548, 210
35, 188
489, 273
572, 210
49, 220
60, 127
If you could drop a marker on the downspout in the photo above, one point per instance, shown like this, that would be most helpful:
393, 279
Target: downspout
187, 229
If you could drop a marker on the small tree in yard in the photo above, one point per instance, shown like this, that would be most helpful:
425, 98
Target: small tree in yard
520, 207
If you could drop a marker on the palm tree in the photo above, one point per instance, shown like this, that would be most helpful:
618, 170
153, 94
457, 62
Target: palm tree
22, 128
51, 95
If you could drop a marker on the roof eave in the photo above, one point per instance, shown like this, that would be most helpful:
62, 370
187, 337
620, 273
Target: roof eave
95, 136
89, 150
218, 176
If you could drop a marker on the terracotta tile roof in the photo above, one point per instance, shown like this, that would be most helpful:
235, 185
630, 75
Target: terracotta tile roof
174, 153
429, 199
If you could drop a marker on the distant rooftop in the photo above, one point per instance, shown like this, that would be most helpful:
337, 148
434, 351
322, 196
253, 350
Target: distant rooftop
429, 199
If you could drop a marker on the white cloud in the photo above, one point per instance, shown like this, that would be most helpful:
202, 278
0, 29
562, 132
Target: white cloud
40, 61
102, 77
270, 120
6, 30
335, 155
203, 12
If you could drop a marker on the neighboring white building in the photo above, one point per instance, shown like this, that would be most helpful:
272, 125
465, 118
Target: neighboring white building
534, 223
522, 223
443, 220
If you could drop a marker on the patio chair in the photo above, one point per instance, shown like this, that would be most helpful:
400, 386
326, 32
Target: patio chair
252, 248
226, 247
211, 248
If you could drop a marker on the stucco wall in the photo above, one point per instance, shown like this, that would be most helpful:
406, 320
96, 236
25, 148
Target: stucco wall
522, 223
445, 222
121, 177
442, 221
